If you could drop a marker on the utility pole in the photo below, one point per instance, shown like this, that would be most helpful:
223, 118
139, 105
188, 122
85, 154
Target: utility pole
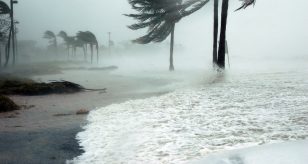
13, 34
16, 40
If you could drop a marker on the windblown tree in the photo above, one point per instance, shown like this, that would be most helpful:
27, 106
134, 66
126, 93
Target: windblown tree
68, 40
160, 17
52, 39
88, 38
78, 43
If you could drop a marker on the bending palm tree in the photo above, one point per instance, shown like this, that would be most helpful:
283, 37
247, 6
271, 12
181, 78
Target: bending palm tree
52, 40
160, 18
78, 43
69, 41
88, 38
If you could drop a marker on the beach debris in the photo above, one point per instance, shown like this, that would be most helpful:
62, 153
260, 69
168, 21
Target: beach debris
82, 112
31, 88
62, 114
108, 68
7, 105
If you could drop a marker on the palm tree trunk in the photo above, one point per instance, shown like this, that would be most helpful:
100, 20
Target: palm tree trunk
7, 49
74, 51
222, 41
56, 46
97, 53
68, 51
216, 2
171, 66
84, 52
13, 33
91, 46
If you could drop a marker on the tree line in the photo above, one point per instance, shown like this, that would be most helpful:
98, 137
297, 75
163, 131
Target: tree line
83, 39
161, 16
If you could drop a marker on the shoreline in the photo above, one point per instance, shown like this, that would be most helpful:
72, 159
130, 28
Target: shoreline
45, 133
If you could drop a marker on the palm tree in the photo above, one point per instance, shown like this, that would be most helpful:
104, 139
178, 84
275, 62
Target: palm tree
223, 27
78, 43
160, 18
68, 40
88, 38
52, 40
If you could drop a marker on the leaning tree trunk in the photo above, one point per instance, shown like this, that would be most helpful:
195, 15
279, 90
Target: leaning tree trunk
216, 2
84, 47
171, 66
68, 51
222, 41
56, 46
91, 46
97, 53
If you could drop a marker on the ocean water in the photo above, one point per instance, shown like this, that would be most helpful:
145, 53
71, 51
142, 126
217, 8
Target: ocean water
294, 152
225, 112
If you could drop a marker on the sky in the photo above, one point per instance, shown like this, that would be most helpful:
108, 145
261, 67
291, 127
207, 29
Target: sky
268, 28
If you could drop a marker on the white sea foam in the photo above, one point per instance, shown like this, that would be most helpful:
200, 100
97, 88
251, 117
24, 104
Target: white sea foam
227, 113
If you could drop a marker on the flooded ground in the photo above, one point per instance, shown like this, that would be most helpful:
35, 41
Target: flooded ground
227, 111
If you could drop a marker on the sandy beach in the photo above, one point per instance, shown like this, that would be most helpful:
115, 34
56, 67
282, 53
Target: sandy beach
44, 130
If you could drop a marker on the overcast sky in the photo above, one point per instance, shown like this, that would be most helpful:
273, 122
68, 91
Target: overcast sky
271, 27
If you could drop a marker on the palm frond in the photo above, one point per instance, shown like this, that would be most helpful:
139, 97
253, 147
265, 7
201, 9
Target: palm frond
246, 3
49, 35
4, 8
158, 16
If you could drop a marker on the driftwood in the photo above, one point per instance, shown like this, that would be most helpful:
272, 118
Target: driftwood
30, 88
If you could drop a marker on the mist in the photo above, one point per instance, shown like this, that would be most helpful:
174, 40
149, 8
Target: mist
112, 100
285, 24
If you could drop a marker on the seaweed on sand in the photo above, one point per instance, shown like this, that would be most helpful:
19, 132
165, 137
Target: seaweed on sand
31, 88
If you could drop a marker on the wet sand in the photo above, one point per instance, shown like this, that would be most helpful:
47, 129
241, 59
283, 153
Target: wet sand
45, 133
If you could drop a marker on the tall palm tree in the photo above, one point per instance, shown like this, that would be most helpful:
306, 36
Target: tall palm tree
68, 40
51, 37
78, 43
160, 18
88, 38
